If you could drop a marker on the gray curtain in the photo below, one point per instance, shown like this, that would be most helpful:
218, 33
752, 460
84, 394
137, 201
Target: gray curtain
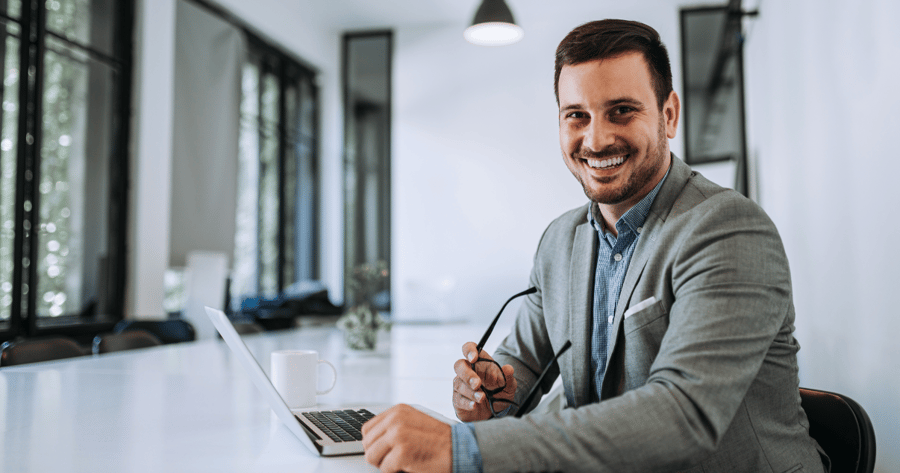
208, 58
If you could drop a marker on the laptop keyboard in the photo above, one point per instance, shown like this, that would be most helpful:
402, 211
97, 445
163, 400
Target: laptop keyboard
340, 426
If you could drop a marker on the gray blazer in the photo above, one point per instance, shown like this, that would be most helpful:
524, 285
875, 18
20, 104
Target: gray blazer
702, 377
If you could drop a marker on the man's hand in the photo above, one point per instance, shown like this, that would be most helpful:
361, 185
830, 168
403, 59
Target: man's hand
469, 400
405, 439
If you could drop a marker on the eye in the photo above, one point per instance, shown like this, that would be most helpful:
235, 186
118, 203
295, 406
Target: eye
576, 115
622, 110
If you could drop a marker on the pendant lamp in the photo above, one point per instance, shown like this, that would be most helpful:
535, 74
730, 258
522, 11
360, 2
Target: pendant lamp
493, 25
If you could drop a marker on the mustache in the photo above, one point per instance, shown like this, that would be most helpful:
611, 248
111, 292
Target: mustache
612, 150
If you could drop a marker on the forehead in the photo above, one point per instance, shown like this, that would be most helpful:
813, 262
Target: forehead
626, 75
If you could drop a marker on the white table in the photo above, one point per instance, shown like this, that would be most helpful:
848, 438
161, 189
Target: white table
190, 407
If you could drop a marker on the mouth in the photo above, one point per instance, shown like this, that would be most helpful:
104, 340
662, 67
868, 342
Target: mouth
607, 163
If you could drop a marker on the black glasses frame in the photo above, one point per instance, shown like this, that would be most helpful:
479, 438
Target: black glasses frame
490, 393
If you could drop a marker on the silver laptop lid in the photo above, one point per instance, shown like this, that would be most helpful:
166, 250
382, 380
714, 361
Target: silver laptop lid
239, 348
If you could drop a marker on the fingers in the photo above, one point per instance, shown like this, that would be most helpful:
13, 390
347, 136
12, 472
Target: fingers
464, 397
372, 431
466, 374
510, 390
404, 439
470, 351
375, 451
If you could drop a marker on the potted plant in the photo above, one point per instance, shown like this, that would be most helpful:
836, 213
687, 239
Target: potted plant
362, 322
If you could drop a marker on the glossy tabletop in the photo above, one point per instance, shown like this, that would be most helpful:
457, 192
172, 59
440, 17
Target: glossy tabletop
191, 407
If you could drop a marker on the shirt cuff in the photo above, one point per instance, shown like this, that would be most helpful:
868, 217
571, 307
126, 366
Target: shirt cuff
466, 456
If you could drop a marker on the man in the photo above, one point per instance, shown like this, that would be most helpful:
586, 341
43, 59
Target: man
674, 292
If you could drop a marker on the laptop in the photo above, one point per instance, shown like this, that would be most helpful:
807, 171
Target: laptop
324, 432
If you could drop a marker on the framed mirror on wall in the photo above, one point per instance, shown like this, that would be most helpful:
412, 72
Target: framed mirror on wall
713, 101
367, 166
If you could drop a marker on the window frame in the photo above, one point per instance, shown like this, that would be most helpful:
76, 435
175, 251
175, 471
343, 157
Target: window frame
351, 237
285, 68
288, 65
24, 320
731, 45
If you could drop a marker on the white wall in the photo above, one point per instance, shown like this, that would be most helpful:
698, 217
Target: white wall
477, 170
823, 116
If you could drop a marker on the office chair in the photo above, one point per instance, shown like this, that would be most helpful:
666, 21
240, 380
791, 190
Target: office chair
842, 428
245, 328
39, 349
131, 339
167, 331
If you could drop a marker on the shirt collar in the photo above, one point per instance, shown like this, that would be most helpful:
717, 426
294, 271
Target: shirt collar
634, 217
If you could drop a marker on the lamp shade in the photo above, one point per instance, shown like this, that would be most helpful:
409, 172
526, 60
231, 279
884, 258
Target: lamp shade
493, 25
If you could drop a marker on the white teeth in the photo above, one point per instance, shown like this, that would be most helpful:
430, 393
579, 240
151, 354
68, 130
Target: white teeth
596, 163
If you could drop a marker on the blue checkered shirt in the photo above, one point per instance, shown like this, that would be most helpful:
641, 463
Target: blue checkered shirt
613, 256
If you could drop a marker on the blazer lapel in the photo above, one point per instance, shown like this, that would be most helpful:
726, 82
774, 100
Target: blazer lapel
581, 293
678, 176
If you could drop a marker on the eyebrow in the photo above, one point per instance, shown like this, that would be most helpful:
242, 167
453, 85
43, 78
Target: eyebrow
607, 104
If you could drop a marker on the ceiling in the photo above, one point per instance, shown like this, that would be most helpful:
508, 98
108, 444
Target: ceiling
365, 14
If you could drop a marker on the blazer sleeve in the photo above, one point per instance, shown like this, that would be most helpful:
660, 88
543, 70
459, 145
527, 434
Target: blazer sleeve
730, 297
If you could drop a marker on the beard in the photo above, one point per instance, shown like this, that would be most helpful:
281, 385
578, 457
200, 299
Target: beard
639, 178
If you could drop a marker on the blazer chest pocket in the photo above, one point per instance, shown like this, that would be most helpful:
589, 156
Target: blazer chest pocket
643, 331
644, 317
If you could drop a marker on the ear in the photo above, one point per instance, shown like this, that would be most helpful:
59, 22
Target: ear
671, 112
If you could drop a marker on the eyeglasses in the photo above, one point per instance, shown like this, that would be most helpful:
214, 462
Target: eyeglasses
491, 371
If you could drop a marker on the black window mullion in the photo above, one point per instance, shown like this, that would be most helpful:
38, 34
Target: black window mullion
118, 183
90, 51
22, 308
34, 146
314, 167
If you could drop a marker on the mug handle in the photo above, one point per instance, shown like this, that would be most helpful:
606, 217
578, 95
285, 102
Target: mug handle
333, 379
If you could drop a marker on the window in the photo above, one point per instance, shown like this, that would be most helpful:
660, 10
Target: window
63, 163
712, 53
367, 157
276, 241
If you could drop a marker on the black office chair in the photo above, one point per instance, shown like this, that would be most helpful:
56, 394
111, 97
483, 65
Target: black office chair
245, 328
39, 349
136, 338
167, 331
842, 428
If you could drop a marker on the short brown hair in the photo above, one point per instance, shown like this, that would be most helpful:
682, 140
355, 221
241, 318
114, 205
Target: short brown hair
609, 38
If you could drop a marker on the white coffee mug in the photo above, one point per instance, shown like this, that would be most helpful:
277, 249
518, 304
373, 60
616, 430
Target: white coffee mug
295, 377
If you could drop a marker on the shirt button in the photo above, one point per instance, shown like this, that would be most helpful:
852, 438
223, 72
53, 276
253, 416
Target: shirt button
618, 257
610, 319
640, 229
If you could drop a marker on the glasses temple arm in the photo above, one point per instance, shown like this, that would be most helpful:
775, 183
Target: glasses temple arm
530, 290
534, 389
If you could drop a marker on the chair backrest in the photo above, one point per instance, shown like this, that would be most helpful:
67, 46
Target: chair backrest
167, 331
39, 349
108, 342
245, 328
842, 428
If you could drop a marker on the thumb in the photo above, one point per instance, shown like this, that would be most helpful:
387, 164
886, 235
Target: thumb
508, 372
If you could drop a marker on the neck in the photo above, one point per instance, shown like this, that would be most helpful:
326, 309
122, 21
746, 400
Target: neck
611, 213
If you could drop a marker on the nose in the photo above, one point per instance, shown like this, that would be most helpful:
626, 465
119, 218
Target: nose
598, 135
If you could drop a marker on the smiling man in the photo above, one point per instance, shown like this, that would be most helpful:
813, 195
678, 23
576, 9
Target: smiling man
675, 294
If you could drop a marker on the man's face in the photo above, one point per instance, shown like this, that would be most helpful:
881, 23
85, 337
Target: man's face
612, 133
